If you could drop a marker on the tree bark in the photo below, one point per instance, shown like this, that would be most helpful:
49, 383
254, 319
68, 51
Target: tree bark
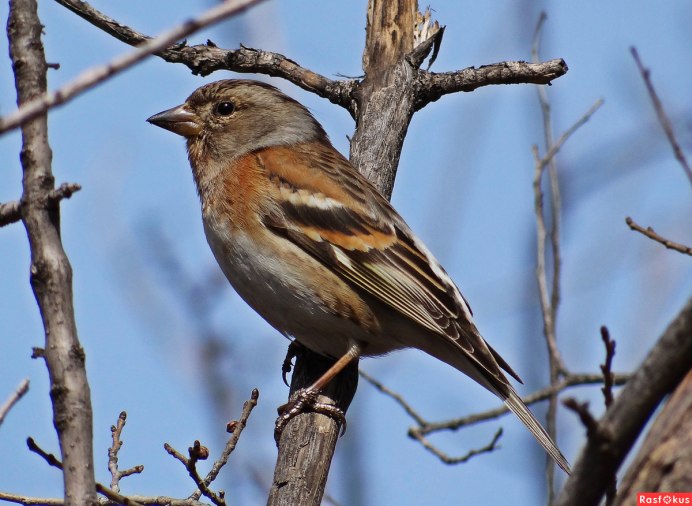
51, 273
384, 109
666, 365
664, 462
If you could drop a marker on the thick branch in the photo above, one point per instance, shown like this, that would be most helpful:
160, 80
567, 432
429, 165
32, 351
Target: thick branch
664, 368
51, 273
664, 461
432, 86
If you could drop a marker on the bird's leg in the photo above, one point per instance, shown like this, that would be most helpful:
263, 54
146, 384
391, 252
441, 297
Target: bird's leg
307, 397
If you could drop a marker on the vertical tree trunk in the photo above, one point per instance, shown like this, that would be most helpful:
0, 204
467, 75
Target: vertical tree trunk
51, 273
384, 110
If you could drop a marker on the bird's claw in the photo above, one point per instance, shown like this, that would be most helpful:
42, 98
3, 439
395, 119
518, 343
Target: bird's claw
307, 399
291, 353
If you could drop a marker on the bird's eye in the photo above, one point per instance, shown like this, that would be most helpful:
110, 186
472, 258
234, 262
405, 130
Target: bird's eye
224, 108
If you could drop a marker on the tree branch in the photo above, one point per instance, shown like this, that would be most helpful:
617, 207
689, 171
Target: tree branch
664, 368
51, 273
21, 390
203, 59
661, 114
39, 104
11, 212
651, 234
432, 85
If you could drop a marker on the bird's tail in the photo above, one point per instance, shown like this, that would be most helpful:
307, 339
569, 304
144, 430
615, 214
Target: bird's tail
514, 403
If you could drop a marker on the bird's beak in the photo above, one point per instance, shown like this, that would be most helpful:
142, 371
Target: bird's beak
178, 120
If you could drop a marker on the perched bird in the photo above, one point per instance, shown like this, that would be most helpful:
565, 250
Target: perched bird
314, 248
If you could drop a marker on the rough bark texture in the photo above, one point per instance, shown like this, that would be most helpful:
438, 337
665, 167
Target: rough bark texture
664, 462
307, 443
611, 440
51, 273
385, 107
386, 96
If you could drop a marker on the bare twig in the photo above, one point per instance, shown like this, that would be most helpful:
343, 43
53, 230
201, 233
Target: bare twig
607, 366
203, 59
446, 459
235, 428
116, 474
569, 381
550, 302
127, 500
424, 427
196, 452
540, 165
95, 75
649, 232
53, 461
665, 366
662, 116
30, 501
14, 397
397, 397
11, 211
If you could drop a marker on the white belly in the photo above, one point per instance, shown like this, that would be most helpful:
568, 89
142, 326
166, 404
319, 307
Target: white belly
275, 287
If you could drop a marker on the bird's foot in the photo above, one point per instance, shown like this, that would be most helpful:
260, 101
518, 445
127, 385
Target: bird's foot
306, 399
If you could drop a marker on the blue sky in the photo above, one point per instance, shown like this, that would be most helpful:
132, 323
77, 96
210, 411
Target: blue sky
464, 186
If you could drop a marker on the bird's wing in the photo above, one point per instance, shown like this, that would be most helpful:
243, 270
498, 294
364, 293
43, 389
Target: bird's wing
333, 213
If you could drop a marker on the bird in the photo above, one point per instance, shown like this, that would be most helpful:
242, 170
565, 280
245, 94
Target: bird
312, 246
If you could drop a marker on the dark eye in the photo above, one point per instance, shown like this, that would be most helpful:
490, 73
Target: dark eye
224, 108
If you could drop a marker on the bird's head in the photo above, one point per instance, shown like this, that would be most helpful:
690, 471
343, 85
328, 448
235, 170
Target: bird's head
227, 119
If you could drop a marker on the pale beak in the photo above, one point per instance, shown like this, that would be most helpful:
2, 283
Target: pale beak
178, 120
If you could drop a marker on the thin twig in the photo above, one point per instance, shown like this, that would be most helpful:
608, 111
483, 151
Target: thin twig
424, 427
662, 116
649, 232
199, 452
196, 452
158, 500
203, 59
569, 381
11, 212
397, 397
446, 459
236, 428
30, 501
607, 366
549, 303
52, 460
14, 397
100, 73
116, 474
